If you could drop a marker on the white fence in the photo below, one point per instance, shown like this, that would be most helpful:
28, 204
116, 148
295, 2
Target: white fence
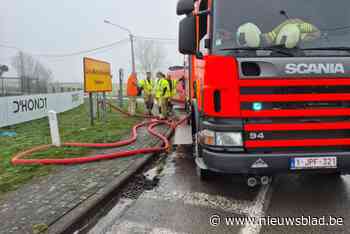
19, 109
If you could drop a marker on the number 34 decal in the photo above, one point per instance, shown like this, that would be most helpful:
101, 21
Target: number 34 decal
256, 136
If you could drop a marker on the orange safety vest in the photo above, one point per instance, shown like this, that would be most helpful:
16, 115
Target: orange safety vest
131, 89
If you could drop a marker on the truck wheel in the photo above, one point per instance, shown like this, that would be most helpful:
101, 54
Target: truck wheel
203, 175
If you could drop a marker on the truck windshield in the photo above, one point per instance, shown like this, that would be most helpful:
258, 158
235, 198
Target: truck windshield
293, 25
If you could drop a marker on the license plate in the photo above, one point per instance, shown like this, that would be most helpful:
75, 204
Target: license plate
313, 163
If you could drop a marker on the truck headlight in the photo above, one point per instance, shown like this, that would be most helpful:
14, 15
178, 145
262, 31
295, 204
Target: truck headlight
229, 139
208, 137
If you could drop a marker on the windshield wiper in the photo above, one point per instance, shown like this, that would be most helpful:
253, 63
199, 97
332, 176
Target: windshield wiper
339, 48
276, 49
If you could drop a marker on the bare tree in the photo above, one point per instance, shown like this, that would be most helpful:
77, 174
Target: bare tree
31, 71
150, 55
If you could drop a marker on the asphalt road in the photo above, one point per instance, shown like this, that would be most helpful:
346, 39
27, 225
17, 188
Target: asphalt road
183, 204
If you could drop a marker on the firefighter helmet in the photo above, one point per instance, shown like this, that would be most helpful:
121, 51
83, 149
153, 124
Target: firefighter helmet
289, 36
248, 35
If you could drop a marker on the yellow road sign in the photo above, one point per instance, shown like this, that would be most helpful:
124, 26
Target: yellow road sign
97, 76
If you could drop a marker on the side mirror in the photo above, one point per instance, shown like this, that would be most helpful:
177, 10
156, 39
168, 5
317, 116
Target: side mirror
187, 35
184, 7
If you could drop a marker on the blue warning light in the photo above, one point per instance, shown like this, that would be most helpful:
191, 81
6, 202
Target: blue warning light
257, 106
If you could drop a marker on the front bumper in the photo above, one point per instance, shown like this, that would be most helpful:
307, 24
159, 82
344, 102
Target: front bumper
243, 163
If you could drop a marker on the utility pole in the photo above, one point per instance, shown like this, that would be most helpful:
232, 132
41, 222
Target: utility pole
23, 85
132, 53
121, 75
131, 36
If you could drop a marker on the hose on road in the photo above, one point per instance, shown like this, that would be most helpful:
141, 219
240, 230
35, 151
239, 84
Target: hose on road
21, 158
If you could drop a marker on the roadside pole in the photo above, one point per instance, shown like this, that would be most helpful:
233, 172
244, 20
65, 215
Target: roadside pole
121, 77
104, 107
55, 134
98, 105
91, 109
133, 66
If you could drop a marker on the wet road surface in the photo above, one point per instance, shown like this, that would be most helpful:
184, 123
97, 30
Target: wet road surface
181, 203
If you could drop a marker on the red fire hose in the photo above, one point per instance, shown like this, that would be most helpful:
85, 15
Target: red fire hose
20, 158
127, 113
132, 139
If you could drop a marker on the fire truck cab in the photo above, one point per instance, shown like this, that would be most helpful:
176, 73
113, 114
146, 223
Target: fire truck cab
270, 85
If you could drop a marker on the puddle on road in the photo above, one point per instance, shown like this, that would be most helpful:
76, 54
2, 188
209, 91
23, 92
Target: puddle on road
179, 174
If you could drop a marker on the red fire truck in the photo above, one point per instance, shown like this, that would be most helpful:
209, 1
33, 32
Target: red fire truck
270, 85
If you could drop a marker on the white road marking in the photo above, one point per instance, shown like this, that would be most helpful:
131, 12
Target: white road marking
106, 222
128, 227
248, 208
257, 211
200, 199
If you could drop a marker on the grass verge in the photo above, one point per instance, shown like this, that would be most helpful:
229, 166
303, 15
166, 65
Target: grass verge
74, 127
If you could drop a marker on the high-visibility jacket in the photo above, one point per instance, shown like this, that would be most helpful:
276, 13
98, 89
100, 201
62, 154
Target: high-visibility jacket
147, 86
167, 88
174, 85
132, 89
163, 88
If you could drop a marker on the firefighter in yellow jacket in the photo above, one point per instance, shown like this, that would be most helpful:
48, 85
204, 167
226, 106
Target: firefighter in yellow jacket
163, 93
173, 91
146, 86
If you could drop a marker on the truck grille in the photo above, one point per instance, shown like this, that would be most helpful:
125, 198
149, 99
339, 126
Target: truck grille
310, 114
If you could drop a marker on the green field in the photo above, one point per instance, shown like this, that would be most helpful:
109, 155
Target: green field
74, 127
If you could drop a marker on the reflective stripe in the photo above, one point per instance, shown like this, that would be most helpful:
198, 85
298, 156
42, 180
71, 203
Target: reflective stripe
272, 35
162, 84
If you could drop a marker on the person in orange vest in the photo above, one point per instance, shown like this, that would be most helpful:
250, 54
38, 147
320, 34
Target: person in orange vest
132, 92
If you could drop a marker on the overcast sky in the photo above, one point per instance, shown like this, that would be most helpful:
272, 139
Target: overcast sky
65, 26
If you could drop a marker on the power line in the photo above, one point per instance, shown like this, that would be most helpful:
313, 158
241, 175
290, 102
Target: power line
62, 59
104, 47
82, 51
72, 53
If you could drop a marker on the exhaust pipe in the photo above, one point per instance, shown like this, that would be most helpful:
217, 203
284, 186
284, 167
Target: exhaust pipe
252, 182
